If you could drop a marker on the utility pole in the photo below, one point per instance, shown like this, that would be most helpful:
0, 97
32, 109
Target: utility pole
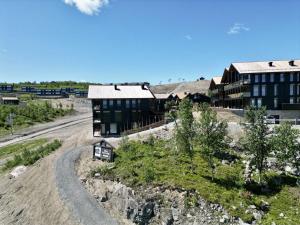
10, 121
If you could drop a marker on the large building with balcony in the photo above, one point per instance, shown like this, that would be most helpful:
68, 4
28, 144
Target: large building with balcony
120, 108
273, 84
216, 91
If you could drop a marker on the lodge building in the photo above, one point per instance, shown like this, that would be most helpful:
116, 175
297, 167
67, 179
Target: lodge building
120, 108
273, 84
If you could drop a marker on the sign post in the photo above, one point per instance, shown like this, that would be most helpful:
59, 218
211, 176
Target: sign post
103, 150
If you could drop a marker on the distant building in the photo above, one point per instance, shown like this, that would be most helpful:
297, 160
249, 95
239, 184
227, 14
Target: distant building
273, 84
81, 94
28, 89
119, 108
9, 100
161, 100
51, 93
216, 91
6, 88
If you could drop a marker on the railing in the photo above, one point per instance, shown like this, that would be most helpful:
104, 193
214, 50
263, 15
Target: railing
238, 95
290, 106
147, 127
236, 84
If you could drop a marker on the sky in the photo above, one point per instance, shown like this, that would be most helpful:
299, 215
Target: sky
141, 40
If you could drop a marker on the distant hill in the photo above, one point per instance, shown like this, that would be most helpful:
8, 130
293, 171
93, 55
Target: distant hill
200, 86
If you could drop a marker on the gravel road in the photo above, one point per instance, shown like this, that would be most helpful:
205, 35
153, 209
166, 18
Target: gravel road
81, 204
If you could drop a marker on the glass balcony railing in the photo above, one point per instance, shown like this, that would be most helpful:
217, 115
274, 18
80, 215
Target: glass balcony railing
236, 84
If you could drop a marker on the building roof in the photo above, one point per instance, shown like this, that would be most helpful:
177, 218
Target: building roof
192, 87
264, 66
217, 79
162, 96
10, 98
122, 92
182, 95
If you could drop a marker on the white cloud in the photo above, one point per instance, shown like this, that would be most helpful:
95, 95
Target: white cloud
89, 7
188, 37
238, 28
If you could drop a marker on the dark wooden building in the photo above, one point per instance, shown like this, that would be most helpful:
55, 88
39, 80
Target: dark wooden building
216, 90
119, 108
56, 93
6, 88
28, 89
273, 84
81, 94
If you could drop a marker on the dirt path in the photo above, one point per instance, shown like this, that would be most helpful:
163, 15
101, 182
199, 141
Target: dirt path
33, 198
82, 205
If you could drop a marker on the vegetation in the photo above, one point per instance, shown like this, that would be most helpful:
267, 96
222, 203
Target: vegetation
256, 140
54, 84
33, 112
160, 163
17, 148
29, 157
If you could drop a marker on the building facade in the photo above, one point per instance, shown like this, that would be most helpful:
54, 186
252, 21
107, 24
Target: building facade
120, 108
273, 84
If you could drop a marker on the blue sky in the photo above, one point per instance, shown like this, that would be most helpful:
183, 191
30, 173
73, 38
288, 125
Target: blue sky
141, 40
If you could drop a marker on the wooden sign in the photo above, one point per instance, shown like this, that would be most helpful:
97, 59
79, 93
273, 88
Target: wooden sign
103, 150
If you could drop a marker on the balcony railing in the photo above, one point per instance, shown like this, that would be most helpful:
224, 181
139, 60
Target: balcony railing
291, 106
238, 95
236, 84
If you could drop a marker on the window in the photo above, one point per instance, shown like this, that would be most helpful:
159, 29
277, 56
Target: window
272, 77
104, 104
113, 128
118, 116
282, 77
111, 103
133, 102
291, 77
256, 78
252, 101
106, 116
255, 90
263, 78
275, 103
291, 100
291, 89
298, 76
139, 102
119, 103
102, 128
263, 90
276, 89
127, 104
259, 102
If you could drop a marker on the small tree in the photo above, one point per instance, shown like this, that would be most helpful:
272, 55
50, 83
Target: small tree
211, 136
256, 140
184, 132
287, 147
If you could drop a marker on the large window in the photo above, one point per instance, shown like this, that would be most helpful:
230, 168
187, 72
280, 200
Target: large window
119, 103
291, 77
263, 78
259, 102
113, 128
291, 89
291, 100
263, 90
255, 90
104, 102
272, 77
127, 104
118, 116
256, 77
282, 77
275, 89
275, 103
253, 102
133, 102
106, 116
111, 103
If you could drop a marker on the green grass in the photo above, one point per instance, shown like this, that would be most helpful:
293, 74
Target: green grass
29, 157
17, 148
157, 164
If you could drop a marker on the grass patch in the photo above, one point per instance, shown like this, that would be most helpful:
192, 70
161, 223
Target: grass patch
17, 148
29, 157
158, 164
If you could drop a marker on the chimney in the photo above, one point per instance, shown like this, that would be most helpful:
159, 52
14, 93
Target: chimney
270, 64
292, 63
116, 87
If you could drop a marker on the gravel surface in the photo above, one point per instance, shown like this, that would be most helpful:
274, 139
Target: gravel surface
83, 206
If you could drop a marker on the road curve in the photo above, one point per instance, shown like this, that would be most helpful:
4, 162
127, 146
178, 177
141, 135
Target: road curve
81, 204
